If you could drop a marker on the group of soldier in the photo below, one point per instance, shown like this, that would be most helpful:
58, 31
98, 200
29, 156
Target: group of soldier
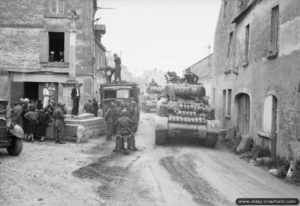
189, 77
34, 118
120, 119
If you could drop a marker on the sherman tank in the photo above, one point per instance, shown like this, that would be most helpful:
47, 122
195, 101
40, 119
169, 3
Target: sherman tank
185, 112
150, 97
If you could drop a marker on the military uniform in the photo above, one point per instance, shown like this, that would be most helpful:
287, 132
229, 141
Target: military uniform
16, 115
191, 78
124, 126
59, 124
109, 119
117, 61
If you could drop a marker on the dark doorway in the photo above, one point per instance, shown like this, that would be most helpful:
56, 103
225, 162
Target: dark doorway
31, 90
243, 117
56, 46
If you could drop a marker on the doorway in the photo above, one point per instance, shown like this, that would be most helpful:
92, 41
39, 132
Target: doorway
243, 113
31, 90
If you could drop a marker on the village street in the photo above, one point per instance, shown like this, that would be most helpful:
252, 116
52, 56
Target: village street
179, 173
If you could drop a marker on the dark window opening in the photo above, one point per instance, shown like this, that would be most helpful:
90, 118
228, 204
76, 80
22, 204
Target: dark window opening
224, 9
247, 36
229, 44
31, 90
229, 102
274, 29
110, 94
56, 46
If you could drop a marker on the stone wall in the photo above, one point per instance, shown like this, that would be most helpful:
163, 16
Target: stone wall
262, 76
20, 48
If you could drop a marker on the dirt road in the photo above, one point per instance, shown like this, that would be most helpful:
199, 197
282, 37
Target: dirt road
180, 173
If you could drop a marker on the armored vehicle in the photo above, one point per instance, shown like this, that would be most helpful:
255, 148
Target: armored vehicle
150, 97
185, 112
124, 94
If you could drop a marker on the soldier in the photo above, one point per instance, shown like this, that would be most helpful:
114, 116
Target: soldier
16, 114
109, 119
153, 83
108, 74
190, 77
117, 61
125, 125
88, 107
59, 123
95, 107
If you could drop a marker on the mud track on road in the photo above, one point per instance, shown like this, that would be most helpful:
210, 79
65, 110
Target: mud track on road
116, 185
182, 170
110, 176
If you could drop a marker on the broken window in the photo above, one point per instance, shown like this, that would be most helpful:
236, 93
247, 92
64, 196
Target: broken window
56, 46
247, 37
274, 29
57, 6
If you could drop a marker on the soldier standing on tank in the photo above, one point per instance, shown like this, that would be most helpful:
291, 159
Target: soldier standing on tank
117, 61
59, 123
109, 119
190, 77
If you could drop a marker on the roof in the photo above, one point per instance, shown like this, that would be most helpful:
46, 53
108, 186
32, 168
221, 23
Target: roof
200, 60
243, 13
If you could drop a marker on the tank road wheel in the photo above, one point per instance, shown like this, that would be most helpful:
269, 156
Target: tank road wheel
160, 137
211, 140
15, 147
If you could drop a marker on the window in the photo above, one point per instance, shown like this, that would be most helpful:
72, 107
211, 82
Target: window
57, 42
110, 94
247, 36
274, 31
57, 6
214, 97
123, 93
229, 44
270, 115
224, 102
229, 102
56, 46
224, 9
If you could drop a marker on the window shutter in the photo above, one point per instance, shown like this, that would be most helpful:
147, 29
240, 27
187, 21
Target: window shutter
44, 46
267, 115
67, 45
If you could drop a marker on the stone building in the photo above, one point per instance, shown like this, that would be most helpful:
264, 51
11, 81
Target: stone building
257, 71
53, 41
203, 69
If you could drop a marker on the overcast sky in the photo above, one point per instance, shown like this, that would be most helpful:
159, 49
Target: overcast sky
162, 34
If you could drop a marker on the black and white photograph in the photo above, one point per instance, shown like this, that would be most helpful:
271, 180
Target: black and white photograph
149, 102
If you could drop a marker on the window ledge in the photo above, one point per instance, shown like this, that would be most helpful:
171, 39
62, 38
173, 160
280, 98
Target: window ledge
266, 135
55, 15
272, 54
245, 64
235, 71
55, 64
227, 71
